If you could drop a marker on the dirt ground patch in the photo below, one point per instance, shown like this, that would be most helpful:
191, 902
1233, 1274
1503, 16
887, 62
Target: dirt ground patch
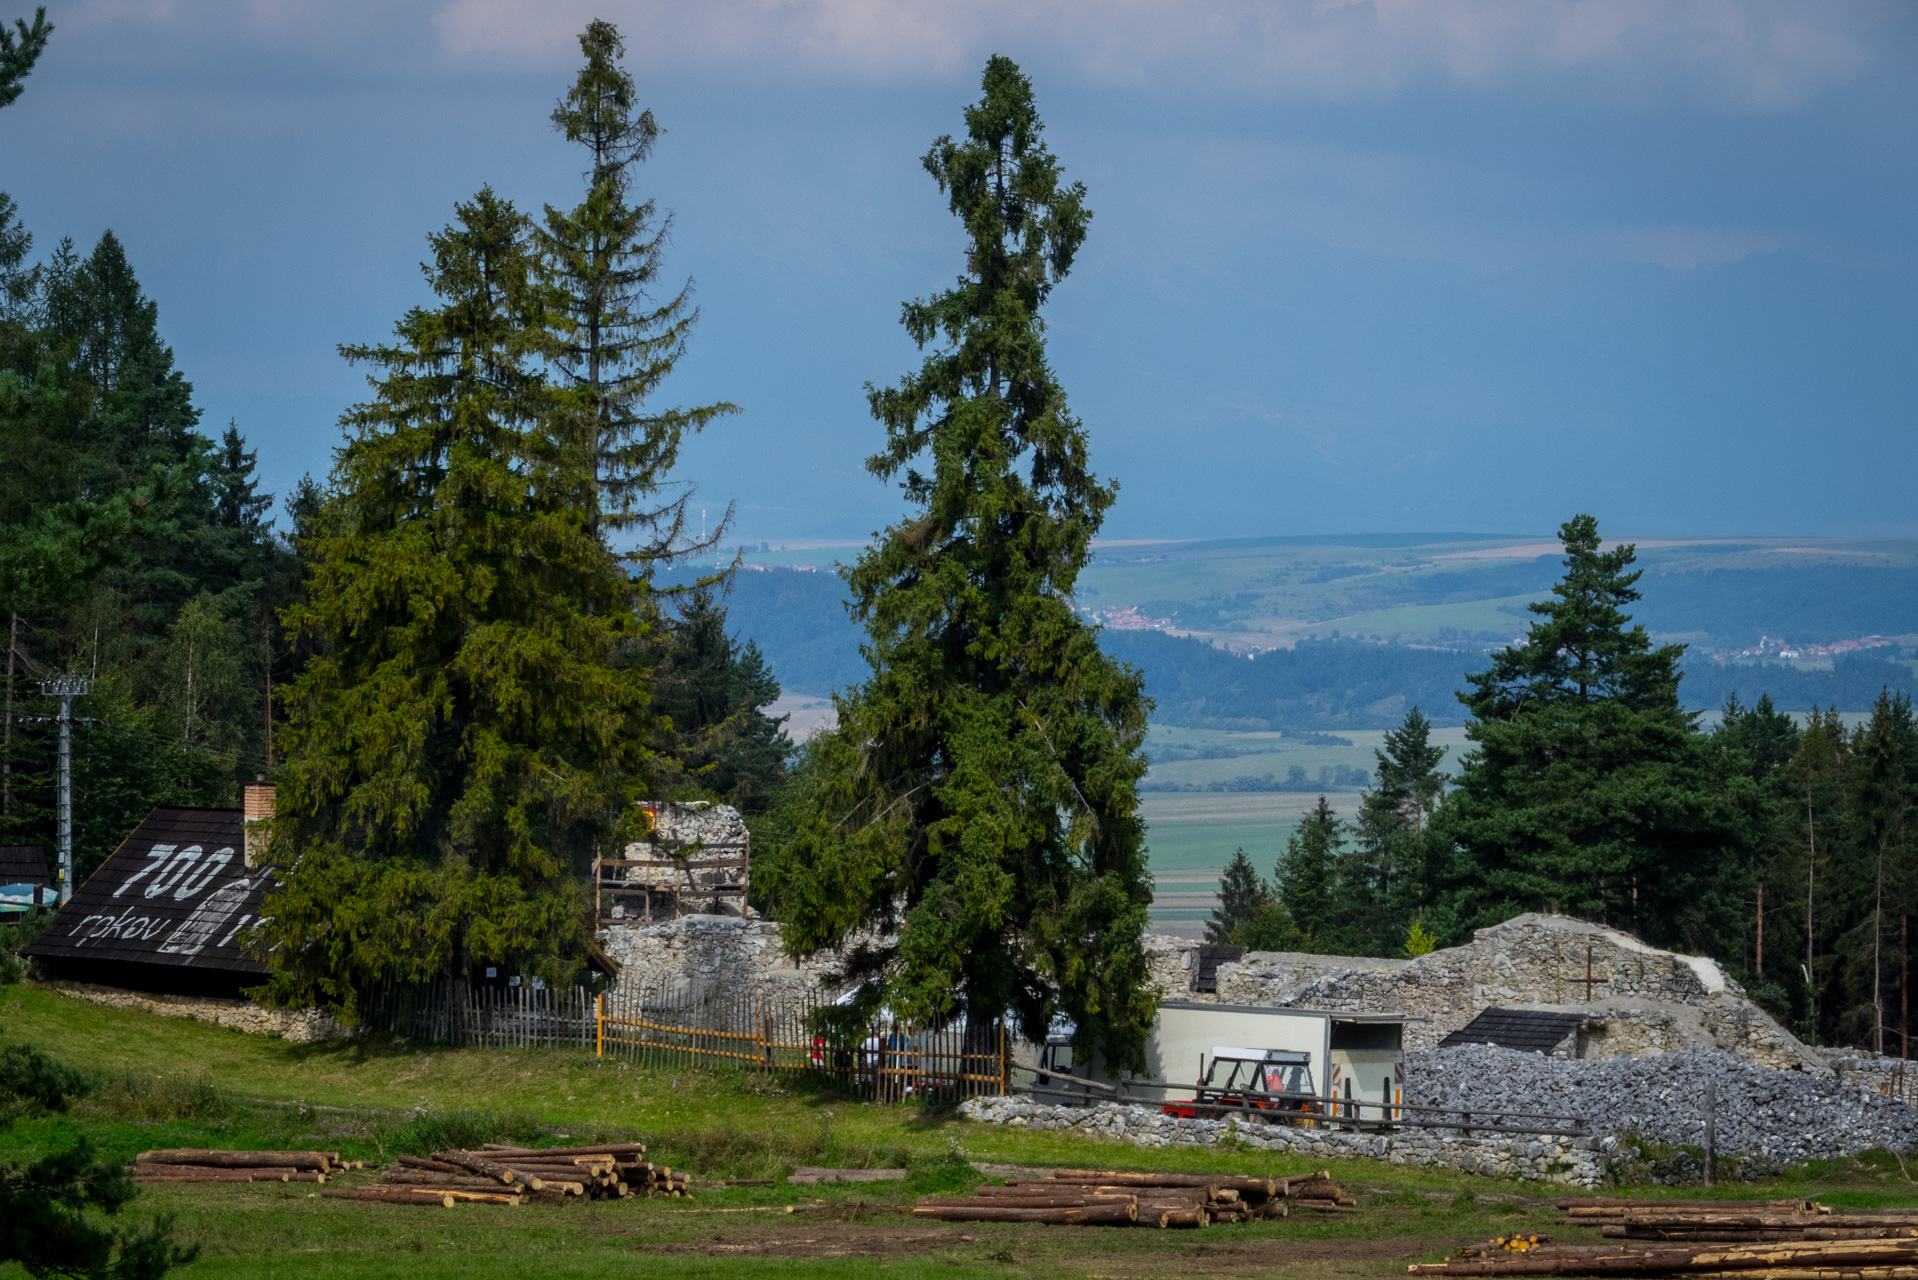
1108, 1253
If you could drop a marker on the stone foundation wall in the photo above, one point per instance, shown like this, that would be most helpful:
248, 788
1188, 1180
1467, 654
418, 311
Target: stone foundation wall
1880, 1073
1172, 965
1575, 1162
299, 1026
710, 951
702, 951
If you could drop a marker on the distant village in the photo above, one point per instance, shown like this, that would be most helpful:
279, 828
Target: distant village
1784, 650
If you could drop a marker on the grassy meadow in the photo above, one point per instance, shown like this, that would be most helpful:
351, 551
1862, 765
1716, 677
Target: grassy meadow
173, 1082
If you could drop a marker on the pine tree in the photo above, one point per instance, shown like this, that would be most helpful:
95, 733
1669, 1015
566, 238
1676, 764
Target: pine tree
714, 692
1408, 771
619, 340
19, 50
1813, 813
1765, 735
1757, 742
979, 795
474, 712
1382, 878
1307, 880
1590, 790
53, 1209
1877, 861
1241, 894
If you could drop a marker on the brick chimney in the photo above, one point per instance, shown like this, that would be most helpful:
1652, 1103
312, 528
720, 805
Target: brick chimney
256, 810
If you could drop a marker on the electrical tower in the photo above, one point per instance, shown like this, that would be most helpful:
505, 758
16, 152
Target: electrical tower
66, 688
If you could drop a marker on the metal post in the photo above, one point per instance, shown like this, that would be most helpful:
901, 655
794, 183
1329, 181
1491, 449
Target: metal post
1711, 1132
65, 688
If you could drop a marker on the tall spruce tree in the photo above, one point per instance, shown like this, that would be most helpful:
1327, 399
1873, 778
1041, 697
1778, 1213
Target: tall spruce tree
1383, 877
1877, 864
1590, 790
976, 807
475, 718
1242, 895
1307, 878
618, 337
714, 691
1813, 811
1757, 742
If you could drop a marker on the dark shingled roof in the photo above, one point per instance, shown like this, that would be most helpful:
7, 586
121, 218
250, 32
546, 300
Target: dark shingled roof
1533, 1029
1211, 956
176, 893
23, 864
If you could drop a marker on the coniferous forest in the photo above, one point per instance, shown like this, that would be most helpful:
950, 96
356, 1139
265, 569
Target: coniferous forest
467, 652
1782, 847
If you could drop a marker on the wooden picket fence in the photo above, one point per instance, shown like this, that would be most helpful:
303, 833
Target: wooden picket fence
461, 1015
775, 1033
671, 1023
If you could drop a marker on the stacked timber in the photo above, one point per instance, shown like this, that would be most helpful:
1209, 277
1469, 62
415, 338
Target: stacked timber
1752, 1226
1105, 1197
524, 1175
187, 1164
1781, 1260
624, 1169
1733, 1221
1615, 1208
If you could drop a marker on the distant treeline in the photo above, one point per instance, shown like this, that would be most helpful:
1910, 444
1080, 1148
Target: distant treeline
1320, 684
1852, 684
1807, 604
799, 620
1341, 777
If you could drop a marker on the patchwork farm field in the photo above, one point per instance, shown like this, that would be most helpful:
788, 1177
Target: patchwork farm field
169, 1082
1191, 835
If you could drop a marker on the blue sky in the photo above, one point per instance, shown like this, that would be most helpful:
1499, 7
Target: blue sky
1355, 266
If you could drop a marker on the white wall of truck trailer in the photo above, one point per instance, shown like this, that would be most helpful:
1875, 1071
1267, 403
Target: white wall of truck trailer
1355, 1057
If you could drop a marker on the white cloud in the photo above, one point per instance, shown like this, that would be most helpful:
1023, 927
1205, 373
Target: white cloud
1688, 248
1760, 54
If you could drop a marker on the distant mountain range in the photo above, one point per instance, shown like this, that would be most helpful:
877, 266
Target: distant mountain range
799, 620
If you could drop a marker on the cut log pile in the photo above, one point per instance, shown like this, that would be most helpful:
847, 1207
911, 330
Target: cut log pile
1751, 1239
1734, 1221
1107, 1198
187, 1164
522, 1175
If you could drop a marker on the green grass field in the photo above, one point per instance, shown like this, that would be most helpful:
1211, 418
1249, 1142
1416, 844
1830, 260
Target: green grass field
179, 1083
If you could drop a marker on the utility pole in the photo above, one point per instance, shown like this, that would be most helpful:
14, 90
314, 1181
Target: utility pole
66, 688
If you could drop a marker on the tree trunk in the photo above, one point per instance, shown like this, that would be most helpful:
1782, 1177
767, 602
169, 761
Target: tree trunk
1811, 876
6, 752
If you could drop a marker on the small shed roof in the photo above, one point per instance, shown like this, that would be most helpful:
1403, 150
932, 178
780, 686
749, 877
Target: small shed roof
23, 864
177, 892
24, 881
1534, 1029
1211, 956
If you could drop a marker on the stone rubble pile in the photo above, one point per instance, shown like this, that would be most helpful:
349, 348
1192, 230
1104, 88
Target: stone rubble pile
1642, 1001
1782, 1117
